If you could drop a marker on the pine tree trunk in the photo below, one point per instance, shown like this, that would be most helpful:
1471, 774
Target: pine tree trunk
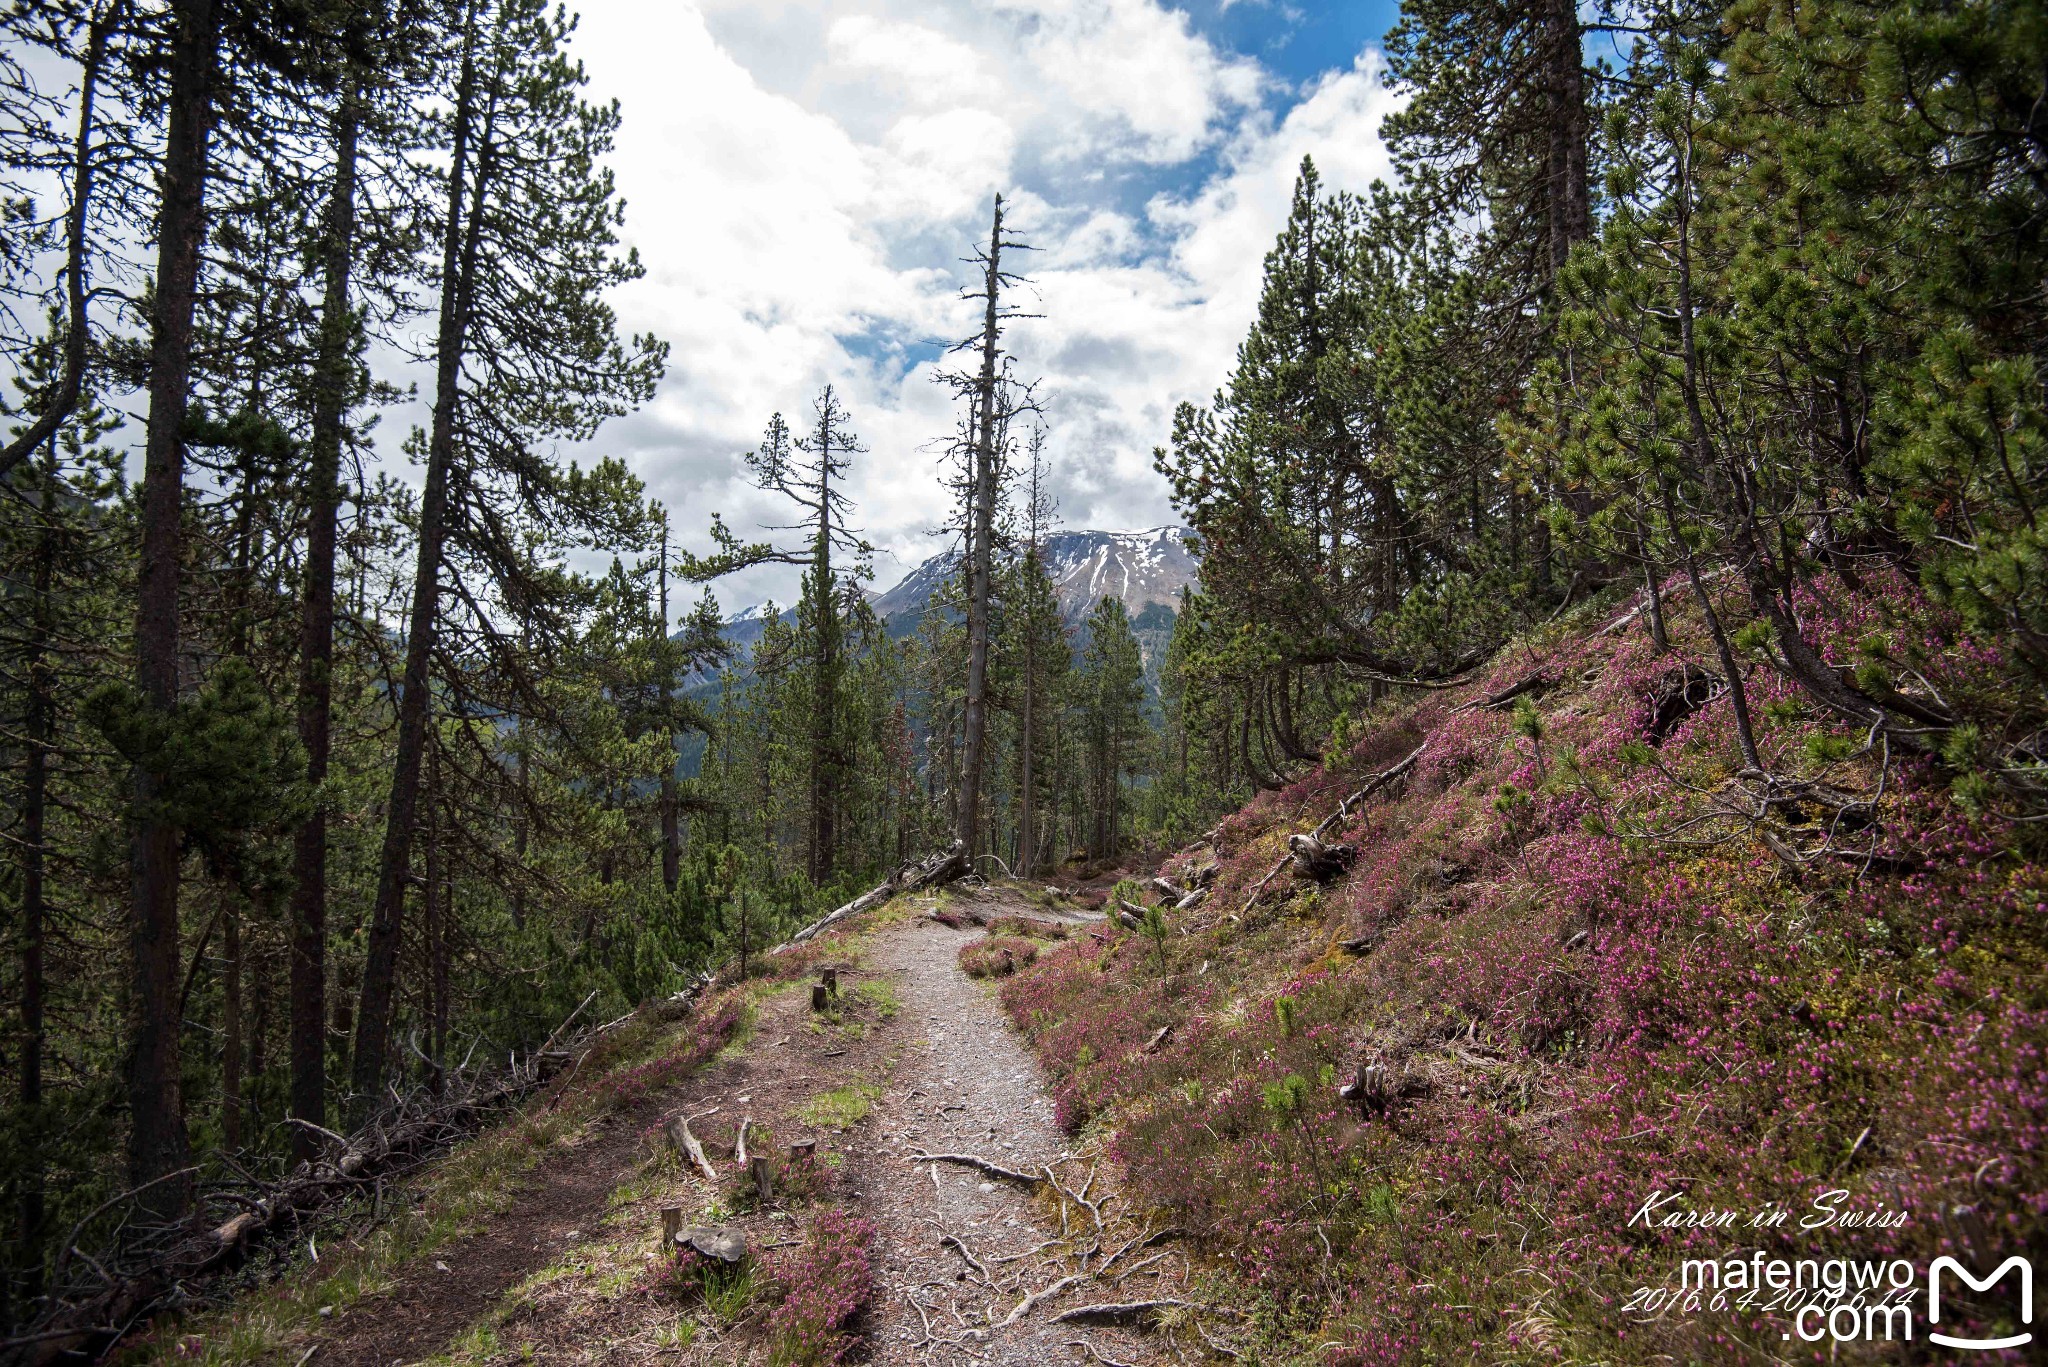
39, 732
459, 248
158, 1145
433, 917
232, 1042
316, 637
671, 805
1026, 816
980, 536
1569, 197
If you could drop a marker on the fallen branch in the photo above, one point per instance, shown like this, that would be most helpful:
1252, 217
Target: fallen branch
687, 1144
1121, 1313
1373, 785
1097, 1353
969, 1160
1036, 1298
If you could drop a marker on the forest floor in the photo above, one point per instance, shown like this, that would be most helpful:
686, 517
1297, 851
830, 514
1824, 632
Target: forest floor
913, 1057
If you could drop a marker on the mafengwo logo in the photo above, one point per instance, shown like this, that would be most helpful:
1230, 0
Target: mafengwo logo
1934, 1271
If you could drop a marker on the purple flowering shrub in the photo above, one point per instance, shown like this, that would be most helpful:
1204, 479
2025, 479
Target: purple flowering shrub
1579, 985
824, 1285
709, 1029
996, 956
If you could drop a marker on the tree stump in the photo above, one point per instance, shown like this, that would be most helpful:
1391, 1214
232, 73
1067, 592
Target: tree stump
764, 1177
725, 1245
1317, 861
829, 980
820, 998
671, 1225
801, 1150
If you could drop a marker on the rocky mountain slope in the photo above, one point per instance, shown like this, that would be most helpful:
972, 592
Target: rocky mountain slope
1146, 569
1143, 568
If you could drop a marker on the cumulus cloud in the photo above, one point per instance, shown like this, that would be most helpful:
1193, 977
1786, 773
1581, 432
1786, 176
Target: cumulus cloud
803, 175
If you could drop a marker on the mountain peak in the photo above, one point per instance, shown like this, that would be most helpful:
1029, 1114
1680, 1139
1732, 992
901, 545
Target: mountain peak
1140, 566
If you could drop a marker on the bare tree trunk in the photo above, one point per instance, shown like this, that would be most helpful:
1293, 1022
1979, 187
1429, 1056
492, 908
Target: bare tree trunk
316, 637
980, 536
77, 336
1703, 451
1654, 608
158, 1146
458, 268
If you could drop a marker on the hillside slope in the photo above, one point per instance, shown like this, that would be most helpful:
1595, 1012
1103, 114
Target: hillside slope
1581, 964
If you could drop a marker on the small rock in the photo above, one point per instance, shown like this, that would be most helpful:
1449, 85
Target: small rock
326, 1312
987, 1186
440, 1266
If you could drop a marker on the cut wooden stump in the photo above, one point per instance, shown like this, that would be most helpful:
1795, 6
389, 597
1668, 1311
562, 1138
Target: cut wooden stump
829, 979
764, 1177
721, 1245
671, 1225
821, 999
801, 1149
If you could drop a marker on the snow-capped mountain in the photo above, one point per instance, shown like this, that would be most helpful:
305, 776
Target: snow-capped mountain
1143, 568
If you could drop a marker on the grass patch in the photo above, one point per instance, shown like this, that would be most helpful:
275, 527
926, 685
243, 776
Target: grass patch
841, 1108
881, 994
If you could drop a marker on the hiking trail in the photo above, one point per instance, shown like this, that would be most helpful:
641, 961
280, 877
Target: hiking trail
915, 1057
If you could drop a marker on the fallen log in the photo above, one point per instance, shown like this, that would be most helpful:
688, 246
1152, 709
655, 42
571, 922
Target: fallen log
1167, 888
932, 872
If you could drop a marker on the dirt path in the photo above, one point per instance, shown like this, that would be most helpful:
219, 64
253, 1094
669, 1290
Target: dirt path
435, 1300
918, 1059
967, 1086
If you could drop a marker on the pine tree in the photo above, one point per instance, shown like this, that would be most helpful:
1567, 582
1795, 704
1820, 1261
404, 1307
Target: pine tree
1110, 700
526, 351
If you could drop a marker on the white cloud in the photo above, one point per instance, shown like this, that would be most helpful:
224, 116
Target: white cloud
803, 175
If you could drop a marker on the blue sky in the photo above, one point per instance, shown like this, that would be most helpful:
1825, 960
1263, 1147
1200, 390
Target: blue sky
803, 175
